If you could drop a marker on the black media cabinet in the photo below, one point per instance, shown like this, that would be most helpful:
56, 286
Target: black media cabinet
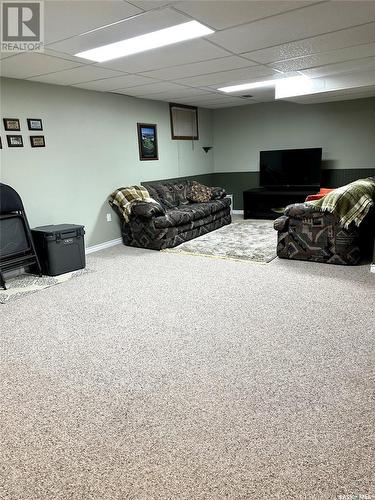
264, 203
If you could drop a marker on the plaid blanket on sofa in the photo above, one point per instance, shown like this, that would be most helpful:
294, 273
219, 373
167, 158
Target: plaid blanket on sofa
350, 203
125, 197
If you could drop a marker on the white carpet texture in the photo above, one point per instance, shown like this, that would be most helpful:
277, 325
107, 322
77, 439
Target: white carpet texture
161, 377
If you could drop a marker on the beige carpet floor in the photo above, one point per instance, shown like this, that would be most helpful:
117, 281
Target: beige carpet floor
162, 377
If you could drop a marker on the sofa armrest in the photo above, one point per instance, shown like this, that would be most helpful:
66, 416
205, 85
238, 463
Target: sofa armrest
281, 224
301, 210
218, 193
147, 209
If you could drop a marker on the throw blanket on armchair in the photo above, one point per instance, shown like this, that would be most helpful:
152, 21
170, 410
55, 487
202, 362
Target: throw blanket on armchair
350, 203
125, 197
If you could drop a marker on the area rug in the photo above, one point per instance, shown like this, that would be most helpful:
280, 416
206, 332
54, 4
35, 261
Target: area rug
248, 240
27, 283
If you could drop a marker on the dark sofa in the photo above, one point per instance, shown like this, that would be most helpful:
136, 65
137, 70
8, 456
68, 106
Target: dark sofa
304, 233
181, 221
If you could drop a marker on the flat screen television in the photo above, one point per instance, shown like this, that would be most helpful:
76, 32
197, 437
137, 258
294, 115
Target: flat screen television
290, 167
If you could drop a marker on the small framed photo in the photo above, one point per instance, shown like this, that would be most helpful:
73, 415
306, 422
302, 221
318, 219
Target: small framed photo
147, 141
15, 141
11, 124
37, 141
34, 124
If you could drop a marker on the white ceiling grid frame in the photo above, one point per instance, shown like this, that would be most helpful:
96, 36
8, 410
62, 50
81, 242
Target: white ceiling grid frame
333, 37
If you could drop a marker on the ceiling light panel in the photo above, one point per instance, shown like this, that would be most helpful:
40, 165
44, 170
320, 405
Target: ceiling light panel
149, 41
190, 51
129, 28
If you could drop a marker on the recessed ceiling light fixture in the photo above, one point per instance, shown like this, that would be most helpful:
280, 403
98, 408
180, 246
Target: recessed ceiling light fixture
153, 40
292, 82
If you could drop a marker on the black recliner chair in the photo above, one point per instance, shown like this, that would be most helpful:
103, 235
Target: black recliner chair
16, 244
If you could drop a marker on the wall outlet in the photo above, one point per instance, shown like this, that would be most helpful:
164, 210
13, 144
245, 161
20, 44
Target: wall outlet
109, 217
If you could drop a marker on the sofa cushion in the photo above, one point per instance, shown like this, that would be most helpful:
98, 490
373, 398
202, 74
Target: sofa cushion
169, 194
188, 213
199, 193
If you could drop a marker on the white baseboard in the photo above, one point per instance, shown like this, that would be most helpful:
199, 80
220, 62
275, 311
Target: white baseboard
103, 246
237, 212
372, 268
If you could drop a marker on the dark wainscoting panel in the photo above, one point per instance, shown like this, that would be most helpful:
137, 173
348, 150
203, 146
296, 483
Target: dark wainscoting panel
235, 183
207, 179
339, 177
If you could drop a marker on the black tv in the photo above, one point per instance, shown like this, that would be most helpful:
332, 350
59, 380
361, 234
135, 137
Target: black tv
290, 168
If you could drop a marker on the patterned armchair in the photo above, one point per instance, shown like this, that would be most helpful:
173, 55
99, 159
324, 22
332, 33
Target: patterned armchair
307, 234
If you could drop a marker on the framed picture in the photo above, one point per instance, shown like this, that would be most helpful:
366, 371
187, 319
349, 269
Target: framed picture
37, 141
34, 124
15, 141
11, 124
184, 122
147, 141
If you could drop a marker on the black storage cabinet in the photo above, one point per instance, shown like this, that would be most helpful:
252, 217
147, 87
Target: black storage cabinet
60, 248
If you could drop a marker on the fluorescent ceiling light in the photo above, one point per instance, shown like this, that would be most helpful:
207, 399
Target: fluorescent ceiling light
153, 40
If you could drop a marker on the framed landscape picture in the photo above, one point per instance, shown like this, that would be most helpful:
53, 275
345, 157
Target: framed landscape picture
11, 124
15, 141
34, 124
37, 141
147, 141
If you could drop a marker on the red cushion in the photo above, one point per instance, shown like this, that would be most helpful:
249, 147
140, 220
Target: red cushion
322, 192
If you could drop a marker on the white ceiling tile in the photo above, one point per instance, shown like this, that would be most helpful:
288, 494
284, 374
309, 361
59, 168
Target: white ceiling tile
144, 23
224, 14
229, 77
239, 102
334, 56
29, 64
337, 95
148, 90
150, 4
309, 21
199, 68
344, 67
179, 93
114, 83
65, 18
338, 40
189, 52
209, 97
75, 75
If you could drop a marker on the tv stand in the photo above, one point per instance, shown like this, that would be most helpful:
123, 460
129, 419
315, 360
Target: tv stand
269, 203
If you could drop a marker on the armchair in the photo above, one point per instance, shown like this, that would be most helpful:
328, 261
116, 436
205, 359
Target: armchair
307, 234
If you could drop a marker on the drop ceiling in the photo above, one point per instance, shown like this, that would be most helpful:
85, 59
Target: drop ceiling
332, 42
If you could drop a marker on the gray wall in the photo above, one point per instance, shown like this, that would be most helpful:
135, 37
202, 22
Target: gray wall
91, 148
344, 129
